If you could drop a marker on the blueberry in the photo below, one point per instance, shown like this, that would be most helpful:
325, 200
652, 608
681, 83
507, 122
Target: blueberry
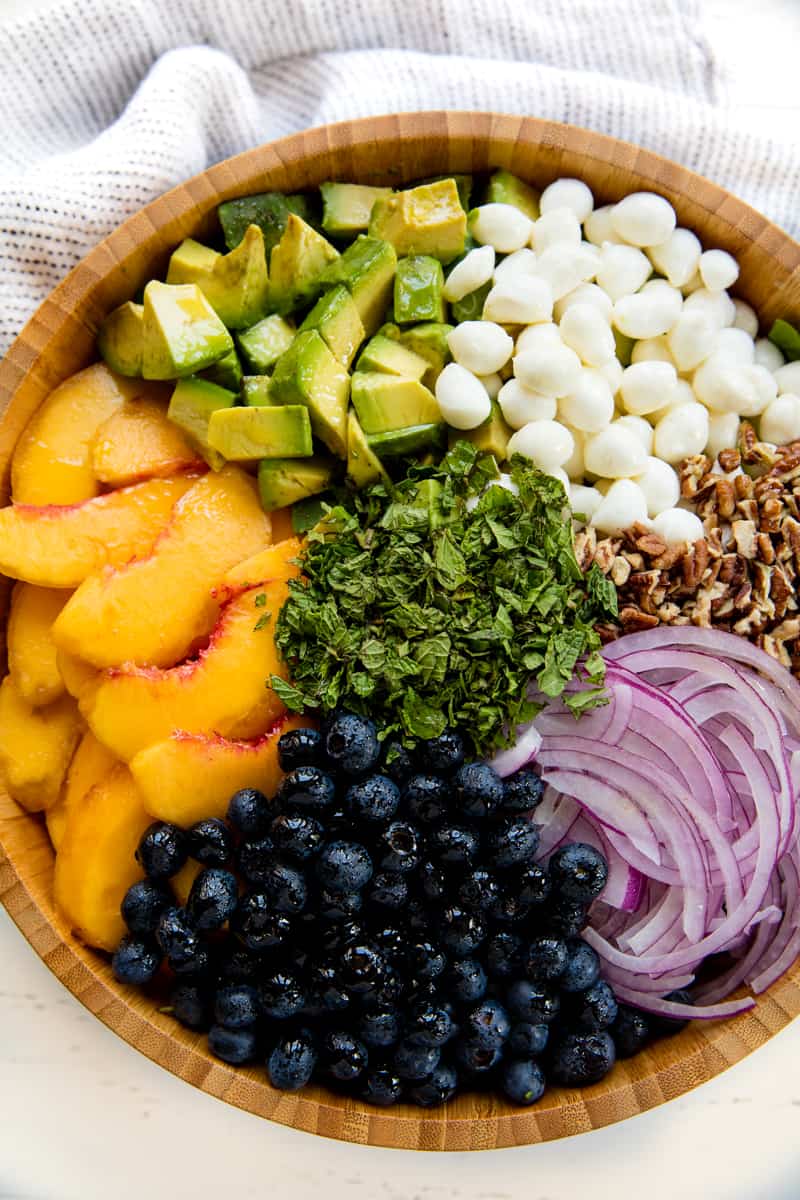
546, 959
385, 992
162, 850
297, 835
526, 1039
522, 792
398, 848
344, 866
363, 967
256, 924
425, 960
534, 1002
210, 842
562, 917
339, 906
522, 1080
578, 872
431, 881
391, 940
291, 1062
668, 1026
212, 899
488, 1023
175, 935
345, 1057
238, 965
286, 889
437, 1089
430, 1023
443, 753
630, 1031
351, 743
234, 1046
595, 1009
280, 995
332, 939
307, 788
327, 987
462, 931
577, 1059
531, 884
389, 889
427, 798
476, 1057
454, 845
135, 960
299, 748
382, 1087
508, 908
195, 962
477, 790
249, 812
512, 842
254, 858
380, 1028
478, 889
466, 980
143, 904
190, 1005
504, 955
396, 761
414, 1061
236, 1006
374, 799
583, 966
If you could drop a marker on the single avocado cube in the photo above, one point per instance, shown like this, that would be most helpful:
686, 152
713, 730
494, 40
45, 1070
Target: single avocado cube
366, 268
470, 307
429, 341
296, 263
283, 481
462, 182
383, 354
262, 345
363, 467
307, 373
492, 436
398, 442
236, 285
227, 372
422, 220
418, 287
191, 407
336, 318
255, 390
385, 402
120, 339
505, 188
182, 333
784, 335
346, 207
268, 210
250, 434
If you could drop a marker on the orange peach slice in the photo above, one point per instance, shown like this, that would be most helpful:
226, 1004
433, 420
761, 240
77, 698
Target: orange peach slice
78, 676
273, 563
95, 863
36, 745
90, 764
139, 442
192, 775
59, 545
31, 649
151, 612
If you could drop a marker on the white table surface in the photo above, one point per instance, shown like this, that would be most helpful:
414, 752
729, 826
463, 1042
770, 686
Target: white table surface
85, 1117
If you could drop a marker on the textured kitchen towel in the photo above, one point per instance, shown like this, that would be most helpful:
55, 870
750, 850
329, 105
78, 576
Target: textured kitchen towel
107, 103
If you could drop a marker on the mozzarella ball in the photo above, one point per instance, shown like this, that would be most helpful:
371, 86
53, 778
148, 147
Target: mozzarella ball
519, 405
567, 193
780, 420
584, 502
585, 293
692, 338
734, 346
677, 526
520, 263
502, 226
554, 370
554, 228
597, 227
787, 378
519, 300
745, 389
644, 219
681, 432
614, 453
723, 432
462, 398
660, 484
622, 270
612, 371
537, 337
718, 270
623, 505
647, 386
481, 346
651, 350
588, 333
590, 406
566, 266
639, 427
574, 466
650, 312
745, 319
718, 306
546, 443
678, 257
767, 354
474, 270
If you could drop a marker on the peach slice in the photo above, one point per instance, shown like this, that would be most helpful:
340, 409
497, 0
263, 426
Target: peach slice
152, 611
57, 546
224, 690
193, 775
36, 745
78, 676
90, 764
95, 863
139, 442
271, 564
31, 649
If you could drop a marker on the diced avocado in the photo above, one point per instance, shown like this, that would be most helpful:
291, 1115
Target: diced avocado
462, 182
227, 372
120, 339
346, 206
492, 436
784, 335
429, 341
268, 210
307, 373
383, 354
262, 345
624, 346
399, 442
418, 287
296, 263
236, 284
255, 390
470, 307
385, 402
270, 431
283, 481
363, 467
182, 333
192, 404
505, 188
422, 220
336, 318
366, 268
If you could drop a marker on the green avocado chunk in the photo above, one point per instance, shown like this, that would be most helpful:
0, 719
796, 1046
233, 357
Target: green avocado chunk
269, 210
462, 182
385, 402
366, 268
470, 307
296, 264
182, 333
227, 372
255, 390
262, 345
784, 335
429, 341
398, 442
492, 436
346, 206
422, 220
505, 188
382, 353
418, 287
236, 284
336, 318
283, 481
307, 373
363, 467
191, 406
270, 431
120, 339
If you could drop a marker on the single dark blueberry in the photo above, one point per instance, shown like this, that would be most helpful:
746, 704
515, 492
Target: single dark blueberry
461, 931
466, 981
210, 842
630, 1031
190, 1005
236, 1006
258, 926
583, 966
175, 935
339, 906
249, 812
307, 788
384, 993
332, 939
396, 761
454, 845
477, 791
380, 1028
291, 1062
412, 1060
431, 881
212, 899
297, 835
286, 888
487, 1022
363, 967
399, 847
162, 850
531, 885
508, 908
425, 960
234, 1046
595, 1009
437, 1089
196, 964
374, 799
478, 889
503, 955
389, 889
668, 1026
522, 1080
546, 959
280, 995
522, 792
526, 1039
430, 1023
254, 858
565, 918
578, 1059
143, 904
325, 983
382, 1087
238, 965
344, 1056
535, 1002
426, 798
351, 744
343, 866
444, 753
300, 748
512, 842
476, 1057
578, 872
135, 960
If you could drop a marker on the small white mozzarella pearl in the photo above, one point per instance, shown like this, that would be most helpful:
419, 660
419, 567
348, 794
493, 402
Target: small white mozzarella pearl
557, 227
718, 306
677, 257
723, 432
649, 313
734, 346
745, 389
480, 346
623, 505
651, 350
678, 525
474, 270
745, 319
767, 354
585, 293
521, 262
614, 453
584, 502
660, 484
597, 227
566, 266
492, 383
787, 378
622, 270
554, 370
588, 333
548, 444
462, 398
519, 405
647, 386
718, 270
574, 466
681, 432
780, 420
644, 219
536, 337
520, 300
567, 193
639, 427
590, 406
692, 338
502, 226
612, 372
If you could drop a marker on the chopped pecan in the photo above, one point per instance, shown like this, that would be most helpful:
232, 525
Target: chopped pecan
667, 560
633, 619
605, 553
744, 534
585, 546
766, 550
650, 544
635, 559
694, 563
743, 487
725, 498
771, 511
781, 591
692, 470
620, 570
729, 460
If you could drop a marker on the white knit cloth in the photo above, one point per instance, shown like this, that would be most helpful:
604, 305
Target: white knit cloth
104, 104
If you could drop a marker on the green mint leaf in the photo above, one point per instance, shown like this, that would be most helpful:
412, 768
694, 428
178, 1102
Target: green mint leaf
290, 695
420, 718
260, 600
262, 622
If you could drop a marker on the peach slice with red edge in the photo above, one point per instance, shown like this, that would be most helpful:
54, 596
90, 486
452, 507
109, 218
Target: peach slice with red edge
36, 745
138, 441
273, 563
90, 764
31, 649
152, 611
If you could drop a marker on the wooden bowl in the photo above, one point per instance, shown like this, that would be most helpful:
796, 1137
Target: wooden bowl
59, 339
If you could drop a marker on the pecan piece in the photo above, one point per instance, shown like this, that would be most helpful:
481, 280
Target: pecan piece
729, 460
633, 619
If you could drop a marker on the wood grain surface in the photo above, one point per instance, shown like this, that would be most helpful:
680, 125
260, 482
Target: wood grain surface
59, 339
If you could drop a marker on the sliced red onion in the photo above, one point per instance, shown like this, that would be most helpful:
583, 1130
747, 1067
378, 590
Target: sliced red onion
507, 762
